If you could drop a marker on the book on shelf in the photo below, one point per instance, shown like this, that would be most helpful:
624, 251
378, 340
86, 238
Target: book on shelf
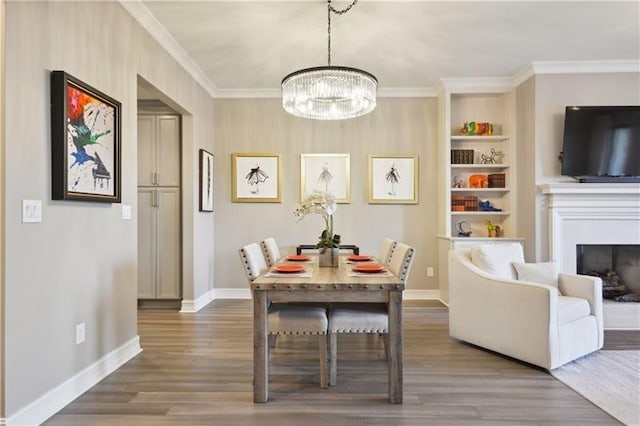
462, 156
496, 180
464, 203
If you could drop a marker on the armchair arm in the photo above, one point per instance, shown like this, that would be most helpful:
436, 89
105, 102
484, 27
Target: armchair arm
586, 287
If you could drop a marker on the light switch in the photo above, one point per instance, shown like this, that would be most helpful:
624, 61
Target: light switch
126, 212
31, 211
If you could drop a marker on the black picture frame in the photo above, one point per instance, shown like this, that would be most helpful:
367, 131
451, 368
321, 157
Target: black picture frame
85, 142
206, 171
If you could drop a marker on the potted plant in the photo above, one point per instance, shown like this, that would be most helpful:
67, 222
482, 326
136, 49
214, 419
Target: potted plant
324, 204
492, 229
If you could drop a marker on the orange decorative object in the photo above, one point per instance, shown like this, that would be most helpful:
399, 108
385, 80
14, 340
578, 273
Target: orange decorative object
298, 257
369, 267
288, 268
478, 181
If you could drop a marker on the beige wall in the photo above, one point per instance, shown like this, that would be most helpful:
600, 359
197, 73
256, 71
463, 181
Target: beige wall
80, 263
400, 126
548, 95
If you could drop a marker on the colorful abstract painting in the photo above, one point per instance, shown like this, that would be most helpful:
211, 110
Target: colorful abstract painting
87, 167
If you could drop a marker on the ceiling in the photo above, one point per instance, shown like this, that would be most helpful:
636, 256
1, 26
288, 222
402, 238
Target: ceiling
249, 46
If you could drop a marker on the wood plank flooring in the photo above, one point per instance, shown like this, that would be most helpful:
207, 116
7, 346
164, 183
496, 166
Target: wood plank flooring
196, 369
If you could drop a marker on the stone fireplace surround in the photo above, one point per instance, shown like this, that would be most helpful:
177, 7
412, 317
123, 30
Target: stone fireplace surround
594, 213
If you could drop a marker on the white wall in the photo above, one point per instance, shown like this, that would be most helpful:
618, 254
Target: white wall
400, 126
79, 264
549, 94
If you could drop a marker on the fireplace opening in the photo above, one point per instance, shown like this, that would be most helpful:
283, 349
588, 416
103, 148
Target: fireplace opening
617, 265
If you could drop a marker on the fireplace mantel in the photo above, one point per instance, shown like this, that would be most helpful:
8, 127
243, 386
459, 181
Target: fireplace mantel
591, 213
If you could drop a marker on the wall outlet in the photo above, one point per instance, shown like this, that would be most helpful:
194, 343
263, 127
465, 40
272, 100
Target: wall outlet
429, 271
80, 333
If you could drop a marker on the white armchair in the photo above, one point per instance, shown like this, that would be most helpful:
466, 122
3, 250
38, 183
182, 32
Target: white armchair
536, 323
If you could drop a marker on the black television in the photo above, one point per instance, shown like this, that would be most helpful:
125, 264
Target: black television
601, 143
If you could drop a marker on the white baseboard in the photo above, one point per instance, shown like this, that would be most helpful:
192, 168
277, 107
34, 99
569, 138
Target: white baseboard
193, 306
53, 401
421, 295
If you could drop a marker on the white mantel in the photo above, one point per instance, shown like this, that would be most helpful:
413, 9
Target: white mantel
593, 213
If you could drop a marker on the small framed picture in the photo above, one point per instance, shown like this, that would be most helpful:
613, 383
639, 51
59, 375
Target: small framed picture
393, 179
206, 181
85, 142
326, 173
255, 178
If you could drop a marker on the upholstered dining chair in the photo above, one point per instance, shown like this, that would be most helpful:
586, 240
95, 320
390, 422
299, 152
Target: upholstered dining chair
270, 250
366, 317
388, 246
288, 318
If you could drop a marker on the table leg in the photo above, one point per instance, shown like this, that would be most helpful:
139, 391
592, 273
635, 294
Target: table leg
395, 356
260, 348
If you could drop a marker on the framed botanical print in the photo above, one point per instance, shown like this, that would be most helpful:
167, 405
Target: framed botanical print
206, 181
326, 173
256, 178
85, 142
393, 179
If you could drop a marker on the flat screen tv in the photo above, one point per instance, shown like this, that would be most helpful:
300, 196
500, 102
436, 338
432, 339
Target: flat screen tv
602, 143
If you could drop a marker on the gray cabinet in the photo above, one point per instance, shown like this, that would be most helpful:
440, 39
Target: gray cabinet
159, 243
159, 207
159, 150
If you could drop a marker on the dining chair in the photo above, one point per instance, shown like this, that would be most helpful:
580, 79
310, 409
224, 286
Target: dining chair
366, 317
388, 246
288, 318
270, 250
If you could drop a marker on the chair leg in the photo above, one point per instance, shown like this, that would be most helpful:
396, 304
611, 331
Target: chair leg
333, 359
272, 340
322, 343
385, 340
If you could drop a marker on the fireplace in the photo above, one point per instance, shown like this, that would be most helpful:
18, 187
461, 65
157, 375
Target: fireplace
618, 265
598, 214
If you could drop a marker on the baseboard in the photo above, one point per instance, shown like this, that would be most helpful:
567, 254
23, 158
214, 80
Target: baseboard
53, 401
233, 293
421, 295
193, 306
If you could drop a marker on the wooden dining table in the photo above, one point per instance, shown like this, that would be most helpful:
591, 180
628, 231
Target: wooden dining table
325, 284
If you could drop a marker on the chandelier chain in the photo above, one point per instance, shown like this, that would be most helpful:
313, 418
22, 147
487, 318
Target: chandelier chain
337, 12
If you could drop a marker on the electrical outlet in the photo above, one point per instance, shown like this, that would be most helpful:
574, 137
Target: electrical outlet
80, 333
429, 271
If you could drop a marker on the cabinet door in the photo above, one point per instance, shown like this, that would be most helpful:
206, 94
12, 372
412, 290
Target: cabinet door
169, 244
168, 146
147, 255
146, 150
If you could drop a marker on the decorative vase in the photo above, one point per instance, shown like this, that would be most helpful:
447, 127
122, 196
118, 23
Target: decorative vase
492, 233
328, 257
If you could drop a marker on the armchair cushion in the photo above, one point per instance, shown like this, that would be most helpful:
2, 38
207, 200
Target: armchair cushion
541, 273
571, 309
496, 259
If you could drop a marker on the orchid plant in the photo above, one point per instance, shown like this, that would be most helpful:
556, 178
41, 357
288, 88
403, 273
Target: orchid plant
324, 204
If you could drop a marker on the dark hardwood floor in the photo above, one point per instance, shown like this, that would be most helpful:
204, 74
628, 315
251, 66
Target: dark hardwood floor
196, 369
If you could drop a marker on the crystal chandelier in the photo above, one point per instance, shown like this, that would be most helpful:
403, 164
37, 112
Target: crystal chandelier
329, 92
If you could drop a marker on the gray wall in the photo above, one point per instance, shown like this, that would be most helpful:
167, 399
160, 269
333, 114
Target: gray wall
397, 126
79, 264
548, 94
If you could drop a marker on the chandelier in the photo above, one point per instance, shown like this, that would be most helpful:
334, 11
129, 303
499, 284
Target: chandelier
329, 92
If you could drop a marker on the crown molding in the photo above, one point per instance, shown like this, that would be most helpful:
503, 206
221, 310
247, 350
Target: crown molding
468, 85
585, 67
148, 21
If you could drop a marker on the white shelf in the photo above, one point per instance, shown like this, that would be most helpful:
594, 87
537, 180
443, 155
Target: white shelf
479, 213
480, 166
480, 189
492, 138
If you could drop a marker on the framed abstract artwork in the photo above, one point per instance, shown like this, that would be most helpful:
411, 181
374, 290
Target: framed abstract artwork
393, 179
255, 178
206, 181
85, 142
326, 173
